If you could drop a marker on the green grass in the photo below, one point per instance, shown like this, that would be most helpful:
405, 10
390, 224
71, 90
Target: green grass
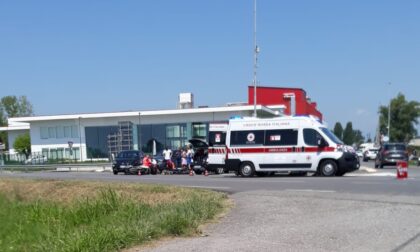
108, 221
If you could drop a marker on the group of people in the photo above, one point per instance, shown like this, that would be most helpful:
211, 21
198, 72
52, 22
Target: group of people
182, 157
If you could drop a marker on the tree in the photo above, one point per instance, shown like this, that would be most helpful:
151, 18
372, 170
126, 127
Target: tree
348, 134
22, 144
338, 130
404, 115
3, 122
358, 137
12, 106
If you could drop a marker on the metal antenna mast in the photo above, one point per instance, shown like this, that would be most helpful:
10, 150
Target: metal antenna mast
256, 51
389, 117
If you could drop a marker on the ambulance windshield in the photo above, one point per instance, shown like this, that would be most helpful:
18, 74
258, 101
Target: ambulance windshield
331, 136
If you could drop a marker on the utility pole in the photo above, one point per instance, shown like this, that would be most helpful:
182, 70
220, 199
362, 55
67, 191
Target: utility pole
80, 140
256, 51
389, 117
139, 133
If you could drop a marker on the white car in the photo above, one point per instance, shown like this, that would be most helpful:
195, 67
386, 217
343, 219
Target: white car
359, 153
36, 160
370, 154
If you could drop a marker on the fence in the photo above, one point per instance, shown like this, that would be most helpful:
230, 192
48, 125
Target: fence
43, 158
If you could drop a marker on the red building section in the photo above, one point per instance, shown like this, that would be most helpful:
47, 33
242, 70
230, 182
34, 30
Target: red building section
282, 96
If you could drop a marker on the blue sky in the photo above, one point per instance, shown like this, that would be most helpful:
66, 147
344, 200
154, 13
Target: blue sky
102, 56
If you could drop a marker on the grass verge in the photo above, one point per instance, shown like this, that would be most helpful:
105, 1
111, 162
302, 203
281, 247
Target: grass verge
92, 216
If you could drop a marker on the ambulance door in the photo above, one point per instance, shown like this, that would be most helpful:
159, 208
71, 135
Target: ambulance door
280, 145
309, 152
217, 148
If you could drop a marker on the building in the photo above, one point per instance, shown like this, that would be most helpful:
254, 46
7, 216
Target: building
294, 99
99, 135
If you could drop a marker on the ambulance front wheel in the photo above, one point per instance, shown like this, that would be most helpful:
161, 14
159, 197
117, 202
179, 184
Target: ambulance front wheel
247, 169
328, 168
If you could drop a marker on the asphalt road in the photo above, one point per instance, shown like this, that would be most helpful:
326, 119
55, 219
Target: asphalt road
377, 181
368, 210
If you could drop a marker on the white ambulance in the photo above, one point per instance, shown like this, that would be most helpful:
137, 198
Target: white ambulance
299, 144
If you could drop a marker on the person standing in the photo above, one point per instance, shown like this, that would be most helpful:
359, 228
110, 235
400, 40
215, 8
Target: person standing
167, 155
184, 160
178, 157
190, 155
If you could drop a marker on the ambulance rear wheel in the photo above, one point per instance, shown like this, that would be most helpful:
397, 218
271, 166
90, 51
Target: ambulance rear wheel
328, 168
247, 169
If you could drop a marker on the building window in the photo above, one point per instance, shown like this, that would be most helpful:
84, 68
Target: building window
74, 131
199, 130
51, 132
44, 133
60, 153
67, 131
45, 152
173, 131
60, 131
53, 154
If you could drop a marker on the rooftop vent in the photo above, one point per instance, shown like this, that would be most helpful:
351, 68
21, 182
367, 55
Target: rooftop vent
235, 104
185, 100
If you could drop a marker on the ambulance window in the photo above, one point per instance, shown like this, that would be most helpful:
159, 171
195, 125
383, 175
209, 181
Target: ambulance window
217, 138
311, 137
247, 137
281, 137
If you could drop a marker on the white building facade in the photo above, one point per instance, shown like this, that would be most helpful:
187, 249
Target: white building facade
96, 136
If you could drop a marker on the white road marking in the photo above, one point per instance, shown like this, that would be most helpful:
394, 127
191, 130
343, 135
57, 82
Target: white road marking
385, 174
367, 183
273, 180
309, 190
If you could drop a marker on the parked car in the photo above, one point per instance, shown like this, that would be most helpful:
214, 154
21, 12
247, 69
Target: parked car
201, 154
200, 148
359, 154
370, 154
39, 159
390, 153
126, 160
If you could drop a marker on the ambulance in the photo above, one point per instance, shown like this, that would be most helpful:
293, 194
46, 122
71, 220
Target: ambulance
292, 144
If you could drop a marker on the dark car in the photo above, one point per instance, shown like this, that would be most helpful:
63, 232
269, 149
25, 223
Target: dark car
125, 161
390, 153
200, 148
